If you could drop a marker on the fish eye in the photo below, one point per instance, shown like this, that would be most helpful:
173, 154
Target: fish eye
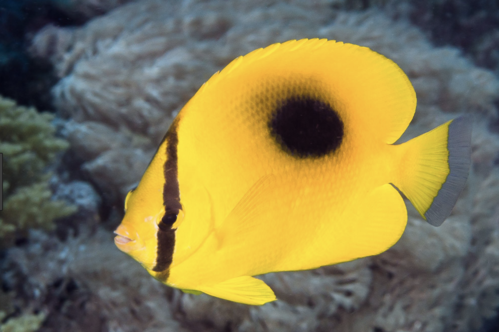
167, 221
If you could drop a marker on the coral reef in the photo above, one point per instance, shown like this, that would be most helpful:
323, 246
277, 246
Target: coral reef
81, 195
123, 77
23, 79
28, 143
80, 286
471, 26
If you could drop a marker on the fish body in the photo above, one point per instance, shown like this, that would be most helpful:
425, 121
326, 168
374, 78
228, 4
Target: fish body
285, 160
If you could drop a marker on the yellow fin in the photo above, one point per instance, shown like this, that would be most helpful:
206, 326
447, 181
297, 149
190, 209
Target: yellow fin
369, 227
247, 290
375, 227
275, 237
435, 168
388, 100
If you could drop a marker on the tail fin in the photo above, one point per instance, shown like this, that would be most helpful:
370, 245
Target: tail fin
435, 167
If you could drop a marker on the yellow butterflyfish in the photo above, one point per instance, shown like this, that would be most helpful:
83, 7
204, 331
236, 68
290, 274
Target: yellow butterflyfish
285, 160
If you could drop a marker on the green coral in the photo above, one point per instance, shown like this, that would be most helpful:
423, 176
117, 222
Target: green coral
23, 323
28, 145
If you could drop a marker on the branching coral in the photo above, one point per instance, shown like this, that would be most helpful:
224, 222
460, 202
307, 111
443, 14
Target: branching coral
28, 144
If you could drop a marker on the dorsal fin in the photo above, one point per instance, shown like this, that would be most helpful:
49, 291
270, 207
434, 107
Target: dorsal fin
364, 80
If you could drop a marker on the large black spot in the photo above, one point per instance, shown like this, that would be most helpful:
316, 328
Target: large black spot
306, 127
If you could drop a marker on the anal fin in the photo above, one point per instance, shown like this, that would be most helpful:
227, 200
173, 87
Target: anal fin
247, 290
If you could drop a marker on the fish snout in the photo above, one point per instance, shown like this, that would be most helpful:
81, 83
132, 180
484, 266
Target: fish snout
124, 237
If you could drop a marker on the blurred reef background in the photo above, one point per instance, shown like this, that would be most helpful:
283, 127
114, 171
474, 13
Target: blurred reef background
89, 87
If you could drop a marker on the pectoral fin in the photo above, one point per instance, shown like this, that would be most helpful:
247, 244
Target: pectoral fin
247, 290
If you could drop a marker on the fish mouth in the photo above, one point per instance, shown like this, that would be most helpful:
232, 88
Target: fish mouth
121, 240
122, 237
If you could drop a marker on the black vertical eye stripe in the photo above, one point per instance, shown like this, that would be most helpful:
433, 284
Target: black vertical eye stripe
167, 221
171, 202
171, 191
